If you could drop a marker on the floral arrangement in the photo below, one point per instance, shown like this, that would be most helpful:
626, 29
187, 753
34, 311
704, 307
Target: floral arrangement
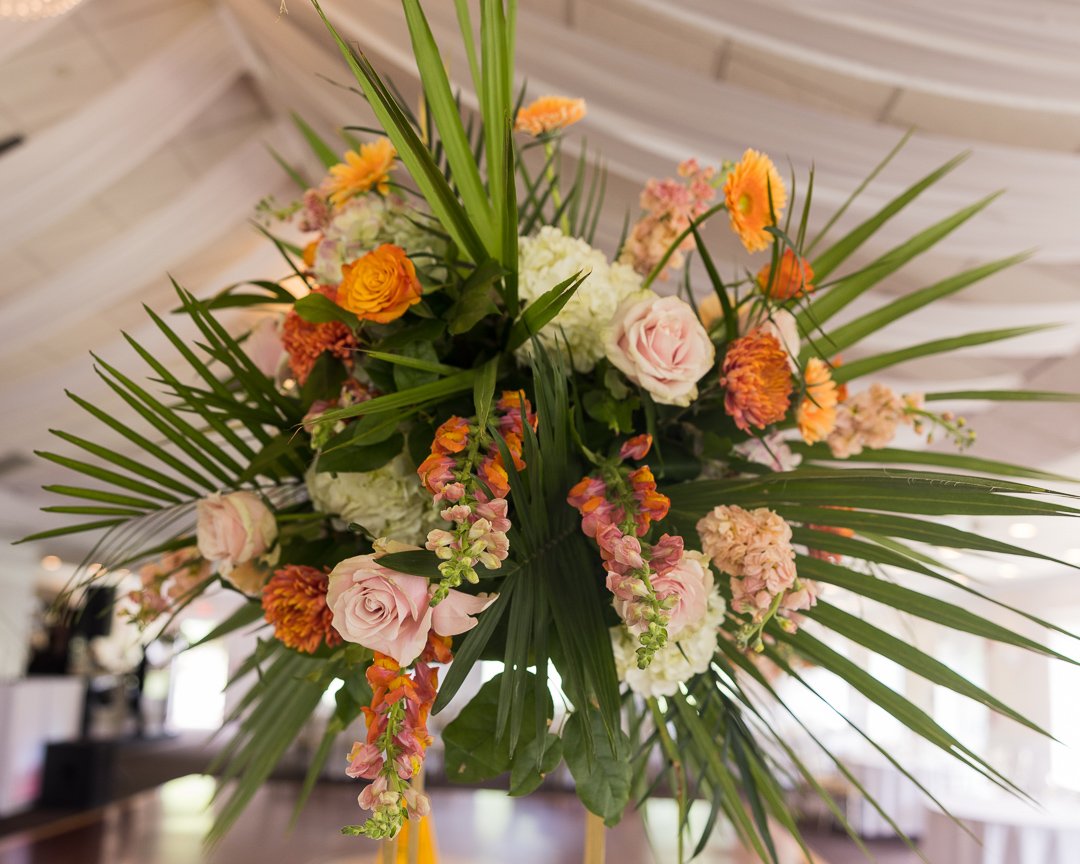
459, 430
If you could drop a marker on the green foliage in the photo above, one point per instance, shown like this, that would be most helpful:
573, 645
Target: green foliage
473, 754
601, 774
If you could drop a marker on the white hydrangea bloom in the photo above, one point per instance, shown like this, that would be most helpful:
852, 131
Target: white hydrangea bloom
551, 257
363, 224
673, 664
388, 501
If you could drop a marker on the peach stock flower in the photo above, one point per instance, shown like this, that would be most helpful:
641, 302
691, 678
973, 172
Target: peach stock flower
747, 194
549, 114
754, 548
758, 380
294, 602
817, 411
361, 172
381, 285
794, 278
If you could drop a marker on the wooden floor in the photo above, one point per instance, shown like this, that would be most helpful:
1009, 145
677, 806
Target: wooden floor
166, 826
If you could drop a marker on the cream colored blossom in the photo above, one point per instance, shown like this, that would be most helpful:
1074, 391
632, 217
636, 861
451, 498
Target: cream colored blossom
385, 502
550, 257
676, 662
362, 225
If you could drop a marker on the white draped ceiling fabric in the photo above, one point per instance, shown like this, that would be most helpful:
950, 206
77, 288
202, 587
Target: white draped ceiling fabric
831, 84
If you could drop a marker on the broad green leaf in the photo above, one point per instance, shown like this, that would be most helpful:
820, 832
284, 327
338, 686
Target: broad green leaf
473, 754
320, 309
360, 458
414, 563
601, 775
525, 778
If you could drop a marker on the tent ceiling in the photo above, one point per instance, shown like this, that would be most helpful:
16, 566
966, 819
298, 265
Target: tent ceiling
144, 122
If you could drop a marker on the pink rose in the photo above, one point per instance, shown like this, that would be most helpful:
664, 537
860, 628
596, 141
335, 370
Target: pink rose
233, 529
388, 611
658, 343
690, 583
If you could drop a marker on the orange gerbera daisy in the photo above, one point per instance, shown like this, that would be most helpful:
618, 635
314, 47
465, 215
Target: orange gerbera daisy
758, 380
747, 192
361, 172
794, 278
294, 601
549, 114
817, 411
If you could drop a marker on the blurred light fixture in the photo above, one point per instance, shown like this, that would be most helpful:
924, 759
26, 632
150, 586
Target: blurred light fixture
1073, 556
947, 554
93, 569
1022, 530
1008, 571
30, 10
51, 562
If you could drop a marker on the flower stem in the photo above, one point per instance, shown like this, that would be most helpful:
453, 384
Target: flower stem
553, 181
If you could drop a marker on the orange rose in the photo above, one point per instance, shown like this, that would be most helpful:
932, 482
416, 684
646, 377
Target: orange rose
380, 286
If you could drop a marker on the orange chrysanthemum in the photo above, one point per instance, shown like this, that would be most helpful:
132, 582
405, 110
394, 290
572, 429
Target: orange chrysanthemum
549, 114
794, 278
304, 341
381, 285
747, 192
361, 172
294, 601
758, 380
817, 411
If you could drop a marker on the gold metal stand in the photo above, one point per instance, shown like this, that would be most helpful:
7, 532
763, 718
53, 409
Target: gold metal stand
594, 839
